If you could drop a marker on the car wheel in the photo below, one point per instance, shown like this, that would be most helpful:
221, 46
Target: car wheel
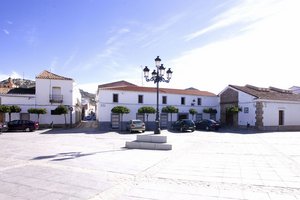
193, 130
207, 128
27, 129
181, 129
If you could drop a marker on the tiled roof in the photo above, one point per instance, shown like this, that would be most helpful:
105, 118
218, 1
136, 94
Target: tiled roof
22, 91
161, 90
270, 93
49, 75
4, 90
116, 84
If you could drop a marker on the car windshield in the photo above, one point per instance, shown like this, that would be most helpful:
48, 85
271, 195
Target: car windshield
137, 122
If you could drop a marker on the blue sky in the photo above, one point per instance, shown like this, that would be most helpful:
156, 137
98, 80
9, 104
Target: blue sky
208, 44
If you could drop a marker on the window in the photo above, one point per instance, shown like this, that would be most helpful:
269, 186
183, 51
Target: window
199, 101
115, 98
164, 99
246, 109
140, 99
281, 117
182, 100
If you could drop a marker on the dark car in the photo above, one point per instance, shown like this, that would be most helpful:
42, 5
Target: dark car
207, 124
25, 125
3, 127
184, 125
136, 125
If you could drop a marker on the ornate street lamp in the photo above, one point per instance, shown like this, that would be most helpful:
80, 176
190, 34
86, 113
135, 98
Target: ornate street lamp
157, 76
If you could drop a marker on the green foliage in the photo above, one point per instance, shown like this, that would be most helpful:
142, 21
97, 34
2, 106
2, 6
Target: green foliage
4, 109
233, 109
193, 111
61, 109
210, 110
146, 109
169, 109
37, 110
120, 110
15, 109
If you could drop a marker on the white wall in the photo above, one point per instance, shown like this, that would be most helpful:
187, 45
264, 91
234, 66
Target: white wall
23, 101
271, 113
246, 101
44, 90
130, 100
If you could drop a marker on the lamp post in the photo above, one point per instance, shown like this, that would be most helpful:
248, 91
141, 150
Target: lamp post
157, 76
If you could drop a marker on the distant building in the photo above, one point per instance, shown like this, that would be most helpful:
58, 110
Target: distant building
295, 89
263, 108
8, 84
123, 93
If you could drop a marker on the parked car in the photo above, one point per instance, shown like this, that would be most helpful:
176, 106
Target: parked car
3, 127
25, 125
184, 125
136, 125
207, 124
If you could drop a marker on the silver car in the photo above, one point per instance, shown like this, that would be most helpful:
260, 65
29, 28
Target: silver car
136, 125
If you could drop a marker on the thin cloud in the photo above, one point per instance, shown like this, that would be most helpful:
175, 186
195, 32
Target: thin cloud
6, 31
117, 35
266, 53
244, 13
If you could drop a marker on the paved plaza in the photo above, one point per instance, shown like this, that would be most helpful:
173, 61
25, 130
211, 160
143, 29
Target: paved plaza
85, 164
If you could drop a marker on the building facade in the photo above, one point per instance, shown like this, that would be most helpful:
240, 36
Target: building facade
262, 108
51, 90
134, 97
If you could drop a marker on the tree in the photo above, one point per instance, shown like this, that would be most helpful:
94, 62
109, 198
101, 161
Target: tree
233, 109
13, 109
37, 111
120, 110
193, 111
61, 109
147, 110
170, 109
210, 110
4, 109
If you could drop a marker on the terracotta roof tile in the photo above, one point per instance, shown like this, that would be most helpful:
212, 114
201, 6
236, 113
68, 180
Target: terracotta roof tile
49, 75
270, 93
116, 84
4, 90
161, 90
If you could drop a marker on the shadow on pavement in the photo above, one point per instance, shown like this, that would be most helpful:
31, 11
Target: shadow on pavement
71, 155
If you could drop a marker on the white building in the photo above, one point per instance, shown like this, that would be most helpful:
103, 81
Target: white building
51, 91
133, 97
295, 89
263, 108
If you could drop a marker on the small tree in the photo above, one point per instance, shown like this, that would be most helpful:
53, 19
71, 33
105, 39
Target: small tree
170, 109
13, 109
120, 110
61, 109
4, 109
193, 111
146, 110
210, 110
37, 111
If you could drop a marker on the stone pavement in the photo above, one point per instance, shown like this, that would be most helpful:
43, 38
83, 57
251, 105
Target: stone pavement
89, 165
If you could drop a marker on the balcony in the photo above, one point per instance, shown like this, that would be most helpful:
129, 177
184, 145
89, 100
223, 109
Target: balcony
56, 98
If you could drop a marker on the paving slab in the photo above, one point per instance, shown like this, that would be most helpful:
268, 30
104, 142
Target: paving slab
91, 165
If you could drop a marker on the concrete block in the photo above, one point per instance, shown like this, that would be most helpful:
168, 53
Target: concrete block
152, 138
